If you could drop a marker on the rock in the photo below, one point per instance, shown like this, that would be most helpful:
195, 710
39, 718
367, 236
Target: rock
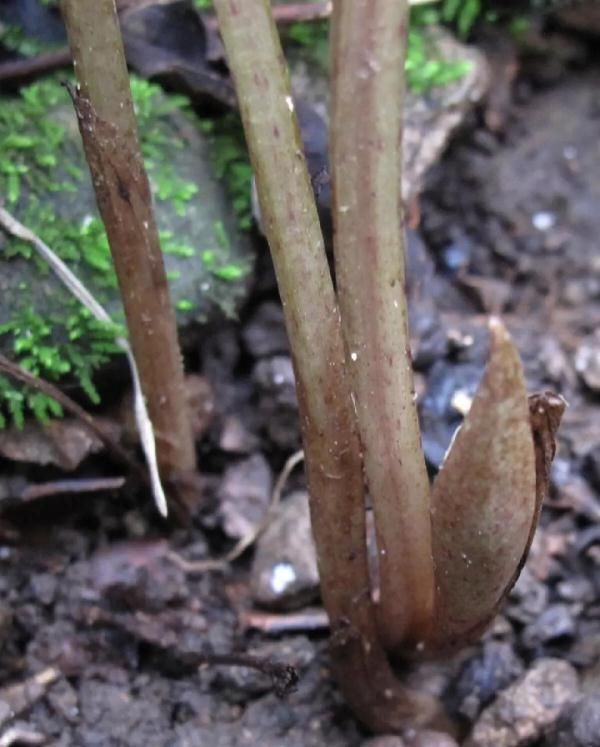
447, 384
494, 669
430, 118
278, 405
235, 438
556, 622
528, 598
575, 589
63, 443
208, 261
284, 572
587, 362
522, 713
264, 334
578, 726
245, 494
43, 587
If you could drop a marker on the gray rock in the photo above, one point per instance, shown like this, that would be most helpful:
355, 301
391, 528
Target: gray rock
578, 726
527, 599
494, 669
278, 404
264, 334
556, 621
284, 572
525, 710
209, 262
429, 119
245, 494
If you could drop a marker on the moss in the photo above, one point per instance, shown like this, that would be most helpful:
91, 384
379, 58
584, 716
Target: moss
39, 159
424, 68
231, 163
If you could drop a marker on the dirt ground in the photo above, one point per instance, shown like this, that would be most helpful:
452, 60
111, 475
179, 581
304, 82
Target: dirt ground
91, 598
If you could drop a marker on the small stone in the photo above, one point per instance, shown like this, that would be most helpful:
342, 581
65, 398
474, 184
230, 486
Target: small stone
284, 572
524, 711
235, 438
494, 669
63, 699
528, 598
578, 726
278, 404
587, 362
43, 586
265, 335
556, 621
575, 590
245, 495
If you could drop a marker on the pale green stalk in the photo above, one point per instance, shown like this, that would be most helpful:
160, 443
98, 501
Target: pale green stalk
333, 460
109, 133
369, 39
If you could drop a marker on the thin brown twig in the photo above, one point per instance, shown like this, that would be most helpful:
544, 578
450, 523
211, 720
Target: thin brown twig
35, 382
221, 564
29, 67
283, 676
86, 485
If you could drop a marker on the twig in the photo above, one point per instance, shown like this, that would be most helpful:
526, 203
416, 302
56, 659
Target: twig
34, 491
20, 374
24, 694
311, 618
78, 289
221, 564
29, 67
21, 734
283, 676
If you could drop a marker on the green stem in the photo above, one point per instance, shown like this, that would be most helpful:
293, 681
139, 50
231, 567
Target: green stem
332, 450
368, 40
108, 128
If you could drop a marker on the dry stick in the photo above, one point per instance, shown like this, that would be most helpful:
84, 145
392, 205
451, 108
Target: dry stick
108, 128
369, 41
331, 445
283, 676
20, 374
221, 564
32, 66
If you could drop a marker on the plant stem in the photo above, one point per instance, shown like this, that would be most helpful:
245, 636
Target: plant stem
331, 445
108, 128
368, 46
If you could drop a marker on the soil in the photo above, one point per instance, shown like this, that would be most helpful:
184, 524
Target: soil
509, 223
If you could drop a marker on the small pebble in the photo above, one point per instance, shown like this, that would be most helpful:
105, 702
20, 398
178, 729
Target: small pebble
524, 711
578, 726
284, 571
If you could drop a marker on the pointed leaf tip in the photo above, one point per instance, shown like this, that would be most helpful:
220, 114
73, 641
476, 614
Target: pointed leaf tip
483, 500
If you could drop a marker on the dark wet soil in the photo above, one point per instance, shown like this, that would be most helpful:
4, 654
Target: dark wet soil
509, 223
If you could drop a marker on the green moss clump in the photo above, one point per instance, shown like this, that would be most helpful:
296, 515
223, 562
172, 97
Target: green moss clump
40, 181
424, 68
231, 163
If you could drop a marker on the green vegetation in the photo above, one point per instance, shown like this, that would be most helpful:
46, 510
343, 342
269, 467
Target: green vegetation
15, 39
231, 164
424, 68
37, 167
